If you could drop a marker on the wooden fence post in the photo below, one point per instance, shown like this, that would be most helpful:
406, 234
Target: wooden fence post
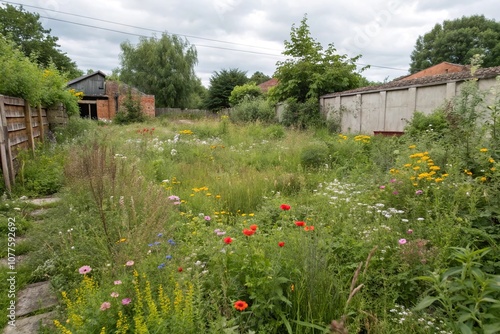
29, 126
40, 123
4, 136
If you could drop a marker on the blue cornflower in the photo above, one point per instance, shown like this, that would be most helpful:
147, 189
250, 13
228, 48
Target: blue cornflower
157, 243
161, 266
168, 257
160, 235
171, 241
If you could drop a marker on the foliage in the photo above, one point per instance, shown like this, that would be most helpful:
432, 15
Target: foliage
25, 30
131, 110
301, 114
268, 245
259, 77
23, 78
469, 296
251, 110
310, 71
457, 41
41, 175
163, 67
315, 155
239, 93
222, 84
434, 124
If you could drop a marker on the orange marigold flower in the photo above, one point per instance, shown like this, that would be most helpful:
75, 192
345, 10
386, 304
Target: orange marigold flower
240, 305
300, 223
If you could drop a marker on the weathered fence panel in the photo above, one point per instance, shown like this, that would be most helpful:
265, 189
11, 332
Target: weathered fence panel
21, 126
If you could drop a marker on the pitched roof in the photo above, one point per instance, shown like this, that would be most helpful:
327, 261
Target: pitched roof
481, 73
266, 85
83, 77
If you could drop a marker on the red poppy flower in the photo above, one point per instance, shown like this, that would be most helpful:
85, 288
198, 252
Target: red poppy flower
254, 227
285, 207
281, 243
179, 269
228, 240
300, 223
248, 232
240, 305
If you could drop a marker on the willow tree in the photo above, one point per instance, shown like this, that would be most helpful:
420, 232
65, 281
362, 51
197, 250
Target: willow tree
163, 67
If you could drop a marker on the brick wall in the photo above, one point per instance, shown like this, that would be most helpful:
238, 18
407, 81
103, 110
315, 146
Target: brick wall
115, 89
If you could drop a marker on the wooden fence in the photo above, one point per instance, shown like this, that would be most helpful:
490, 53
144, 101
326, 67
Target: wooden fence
21, 126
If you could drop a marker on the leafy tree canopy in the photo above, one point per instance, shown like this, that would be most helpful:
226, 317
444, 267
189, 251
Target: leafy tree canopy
247, 91
259, 77
161, 66
310, 71
27, 33
21, 77
221, 85
456, 41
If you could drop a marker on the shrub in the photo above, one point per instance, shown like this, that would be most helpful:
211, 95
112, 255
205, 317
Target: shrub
302, 114
421, 124
247, 91
131, 111
253, 109
41, 175
314, 155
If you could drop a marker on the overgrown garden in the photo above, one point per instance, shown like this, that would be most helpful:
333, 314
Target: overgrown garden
211, 226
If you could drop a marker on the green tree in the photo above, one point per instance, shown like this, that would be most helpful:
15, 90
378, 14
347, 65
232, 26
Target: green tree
456, 41
259, 77
248, 90
221, 85
21, 77
26, 31
310, 71
161, 66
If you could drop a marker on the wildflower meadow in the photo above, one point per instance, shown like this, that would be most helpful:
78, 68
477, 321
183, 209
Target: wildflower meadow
208, 226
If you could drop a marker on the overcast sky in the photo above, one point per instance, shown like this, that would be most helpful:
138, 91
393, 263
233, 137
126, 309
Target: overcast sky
249, 35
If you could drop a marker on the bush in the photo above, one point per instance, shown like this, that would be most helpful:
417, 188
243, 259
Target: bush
240, 93
314, 155
41, 175
131, 112
251, 110
302, 114
421, 124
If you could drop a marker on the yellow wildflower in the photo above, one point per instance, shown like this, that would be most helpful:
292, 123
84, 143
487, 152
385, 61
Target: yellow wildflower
407, 165
412, 147
483, 150
483, 179
416, 168
435, 168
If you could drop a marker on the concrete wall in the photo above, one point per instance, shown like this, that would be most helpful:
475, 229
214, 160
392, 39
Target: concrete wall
389, 110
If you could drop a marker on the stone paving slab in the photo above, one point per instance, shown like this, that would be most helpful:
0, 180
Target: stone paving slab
31, 325
43, 200
34, 297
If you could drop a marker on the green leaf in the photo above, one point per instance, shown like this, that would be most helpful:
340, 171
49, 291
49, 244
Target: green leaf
492, 328
307, 324
426, 302
465, 329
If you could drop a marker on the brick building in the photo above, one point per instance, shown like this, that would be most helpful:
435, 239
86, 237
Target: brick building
103, 98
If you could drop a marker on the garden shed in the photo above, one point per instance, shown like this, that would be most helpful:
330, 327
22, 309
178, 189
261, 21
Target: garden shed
103, 98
